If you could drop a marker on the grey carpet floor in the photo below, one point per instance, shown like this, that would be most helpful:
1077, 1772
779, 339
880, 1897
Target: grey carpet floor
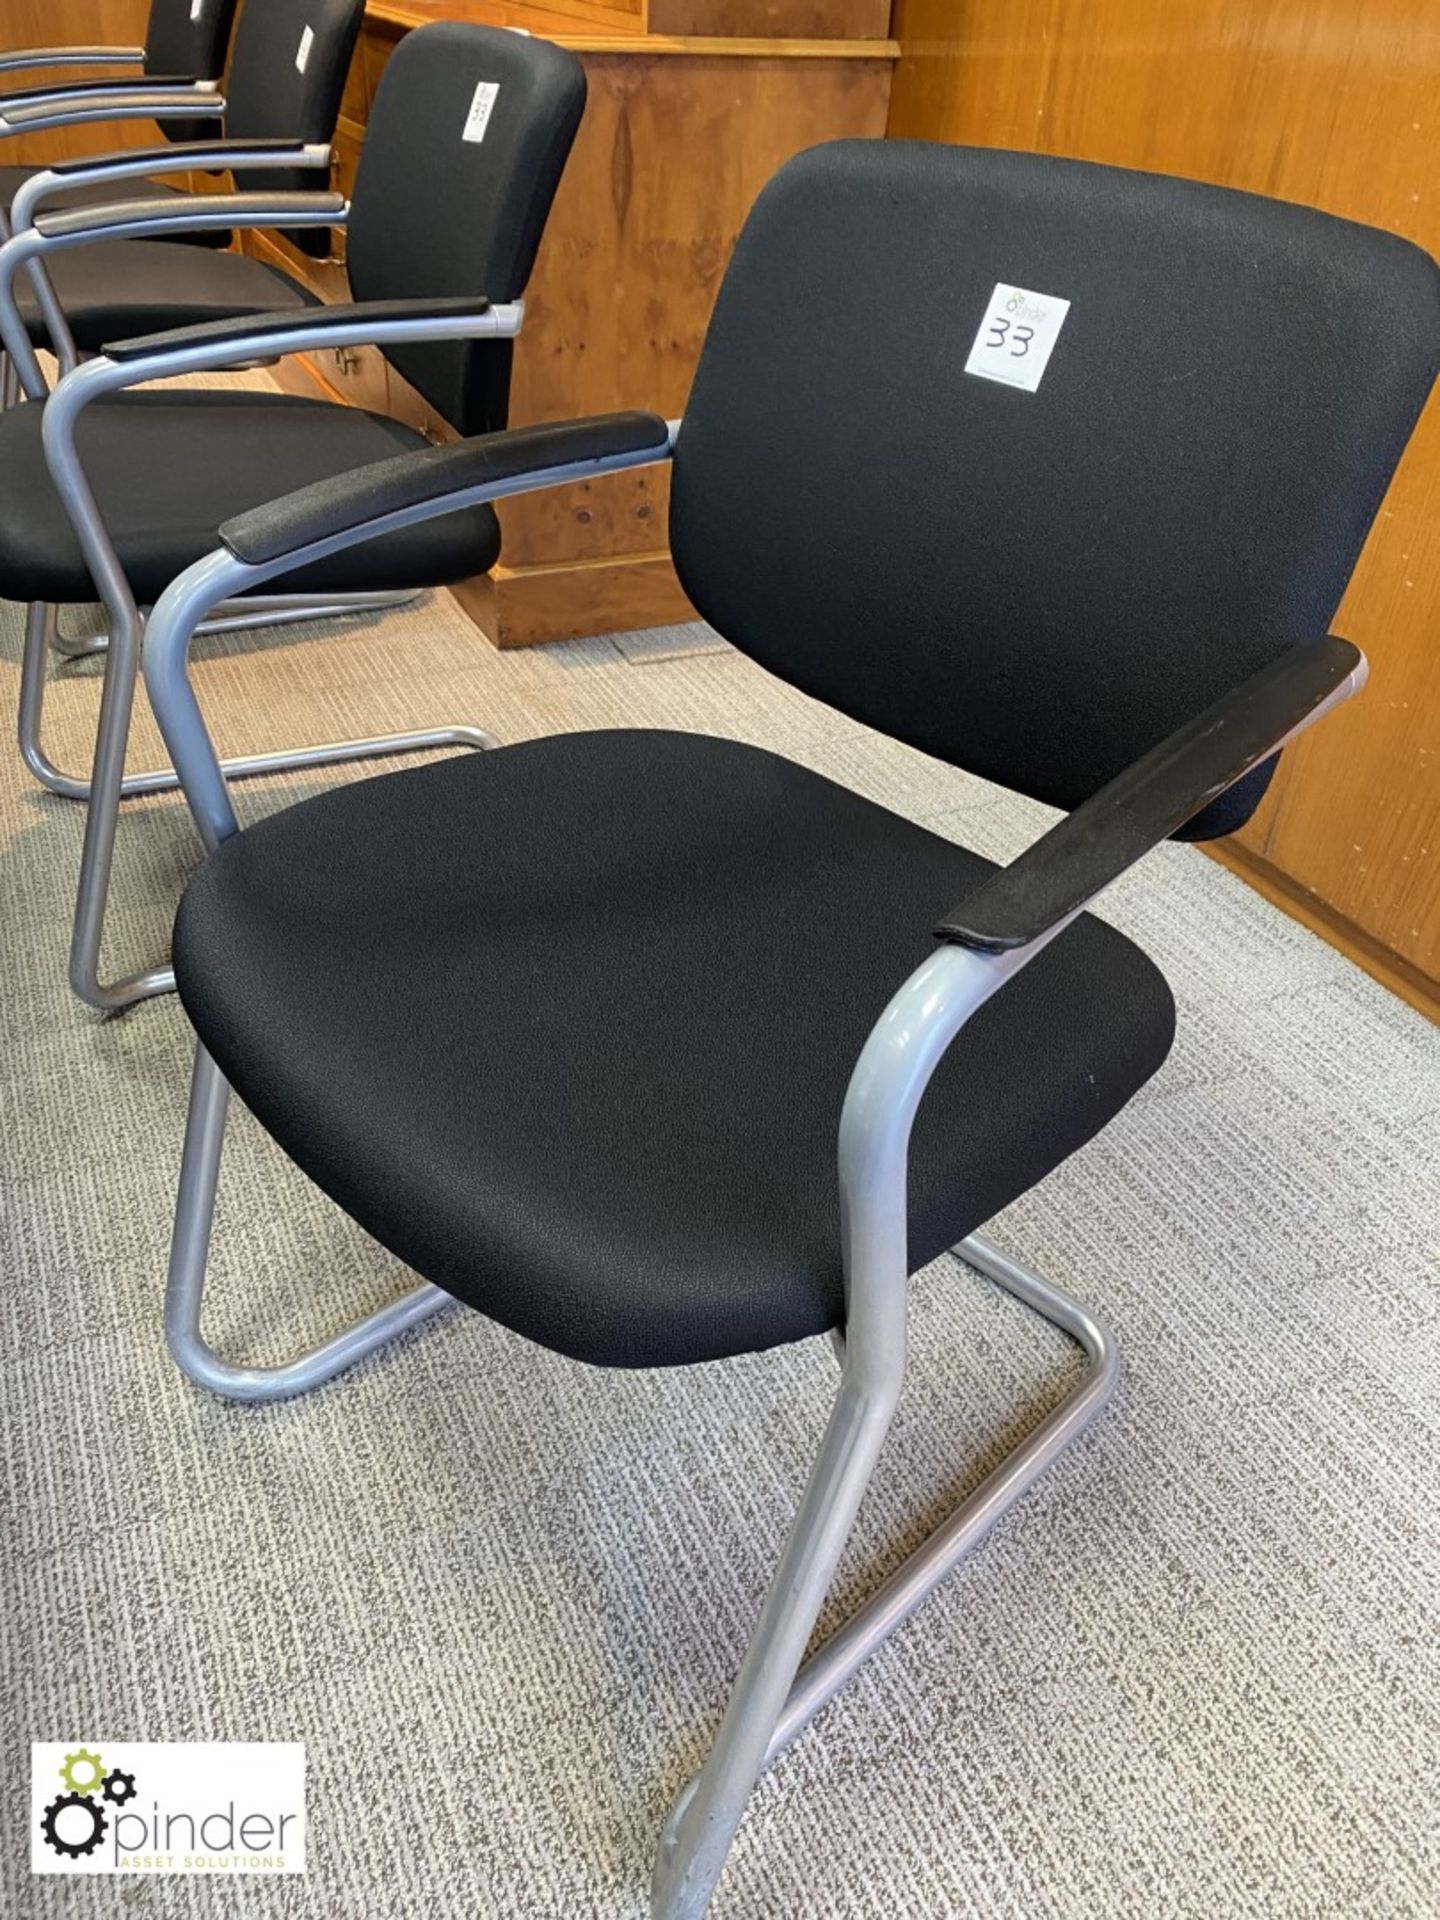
500, 1596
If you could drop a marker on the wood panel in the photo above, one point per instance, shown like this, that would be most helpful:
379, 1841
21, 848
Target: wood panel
669, 158
802, 19
85, 23
679, 135
1321, 101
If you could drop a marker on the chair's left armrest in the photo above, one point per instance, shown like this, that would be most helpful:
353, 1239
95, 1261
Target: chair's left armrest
1066, 868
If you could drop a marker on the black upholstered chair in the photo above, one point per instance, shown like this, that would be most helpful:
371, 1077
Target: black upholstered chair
183, 57
282, 99
469, 134
1054, 471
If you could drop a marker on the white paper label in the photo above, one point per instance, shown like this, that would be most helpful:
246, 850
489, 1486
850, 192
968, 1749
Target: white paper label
1017, 336
307, 41
197, 7
481, 108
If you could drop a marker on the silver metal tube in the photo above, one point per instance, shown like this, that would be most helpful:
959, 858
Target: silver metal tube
263, 610
827, 1670
185, 1282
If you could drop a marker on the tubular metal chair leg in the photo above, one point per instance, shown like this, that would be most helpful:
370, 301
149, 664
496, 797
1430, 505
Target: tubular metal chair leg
109, 785
771, 1703
243, 616
185, 1286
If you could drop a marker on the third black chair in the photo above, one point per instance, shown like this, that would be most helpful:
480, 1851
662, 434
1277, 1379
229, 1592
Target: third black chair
282, 99
1050, 470
184, 53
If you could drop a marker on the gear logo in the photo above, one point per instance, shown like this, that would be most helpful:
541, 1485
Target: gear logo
77, 1820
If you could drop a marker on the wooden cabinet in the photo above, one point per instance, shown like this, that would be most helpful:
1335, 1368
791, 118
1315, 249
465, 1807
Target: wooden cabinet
1337, 104
681, 131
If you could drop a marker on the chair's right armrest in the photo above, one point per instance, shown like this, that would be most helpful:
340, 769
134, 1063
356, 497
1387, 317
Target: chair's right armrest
86, 89
434, 476
23, 57
181, 156
140, 103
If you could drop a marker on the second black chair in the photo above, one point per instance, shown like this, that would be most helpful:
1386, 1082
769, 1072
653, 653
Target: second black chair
469, 134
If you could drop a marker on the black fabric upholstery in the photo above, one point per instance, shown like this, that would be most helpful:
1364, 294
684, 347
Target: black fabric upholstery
410, 479
174, 43
1040, 586
181, 38
568, 1025
434, 213
268, 98
143, 286
167, 467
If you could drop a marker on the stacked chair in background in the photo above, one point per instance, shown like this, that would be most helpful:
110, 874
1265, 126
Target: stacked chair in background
441, 236
177, 74
282, 99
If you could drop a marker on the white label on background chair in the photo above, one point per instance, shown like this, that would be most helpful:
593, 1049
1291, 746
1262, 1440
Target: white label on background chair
481, 108
197, 7
1017, 336
307, 41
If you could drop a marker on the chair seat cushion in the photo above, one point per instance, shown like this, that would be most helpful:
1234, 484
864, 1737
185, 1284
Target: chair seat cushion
567, 1026
104, 194
120, 289
169, 466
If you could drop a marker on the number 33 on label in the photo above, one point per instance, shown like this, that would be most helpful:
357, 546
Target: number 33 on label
1017, 336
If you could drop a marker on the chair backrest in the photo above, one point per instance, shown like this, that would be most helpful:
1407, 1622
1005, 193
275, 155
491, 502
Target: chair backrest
286, 78
469, 133
1039, 581
188, 39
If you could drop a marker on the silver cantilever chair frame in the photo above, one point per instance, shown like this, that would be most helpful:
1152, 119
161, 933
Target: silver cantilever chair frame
236, 156
774, 1696
129, 100
108, 785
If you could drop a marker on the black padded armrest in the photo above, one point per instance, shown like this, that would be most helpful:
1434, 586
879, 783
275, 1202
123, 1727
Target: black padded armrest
333, 507
78, 89
17, 59
176, 157
112, 103
295, 320
216, 209
1095, 844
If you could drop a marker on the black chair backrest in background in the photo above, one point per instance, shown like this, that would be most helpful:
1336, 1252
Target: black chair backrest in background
188, 40
469, 133
286, 79
1039, 586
